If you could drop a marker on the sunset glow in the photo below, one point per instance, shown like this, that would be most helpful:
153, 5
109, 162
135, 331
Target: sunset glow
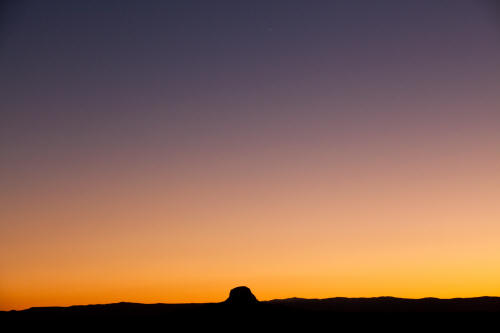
159, 153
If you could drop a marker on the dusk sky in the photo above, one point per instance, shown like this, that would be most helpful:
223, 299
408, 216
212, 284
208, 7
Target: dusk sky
167, 151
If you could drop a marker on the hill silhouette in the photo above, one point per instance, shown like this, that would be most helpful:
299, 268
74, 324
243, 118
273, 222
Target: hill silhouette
241, 296
243, 306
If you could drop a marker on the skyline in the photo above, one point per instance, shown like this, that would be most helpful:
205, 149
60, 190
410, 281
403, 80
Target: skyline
168, 151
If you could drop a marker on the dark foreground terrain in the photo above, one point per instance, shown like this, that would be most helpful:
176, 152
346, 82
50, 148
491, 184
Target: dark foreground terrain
243, 307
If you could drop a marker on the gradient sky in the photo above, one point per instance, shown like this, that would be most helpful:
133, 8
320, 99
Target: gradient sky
167, 151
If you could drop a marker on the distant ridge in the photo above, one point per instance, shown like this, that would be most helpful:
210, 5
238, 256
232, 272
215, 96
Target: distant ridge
392, 304
334, 304
241, 301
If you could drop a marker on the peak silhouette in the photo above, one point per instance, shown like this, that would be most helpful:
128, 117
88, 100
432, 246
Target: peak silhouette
243, 308
241, 296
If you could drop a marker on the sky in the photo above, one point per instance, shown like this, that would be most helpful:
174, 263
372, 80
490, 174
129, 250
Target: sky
167, 151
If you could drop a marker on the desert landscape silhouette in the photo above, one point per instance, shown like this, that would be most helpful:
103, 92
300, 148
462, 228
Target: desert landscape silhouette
241, 302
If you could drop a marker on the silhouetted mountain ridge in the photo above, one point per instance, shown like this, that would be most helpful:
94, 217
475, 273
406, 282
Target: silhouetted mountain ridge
243, 305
